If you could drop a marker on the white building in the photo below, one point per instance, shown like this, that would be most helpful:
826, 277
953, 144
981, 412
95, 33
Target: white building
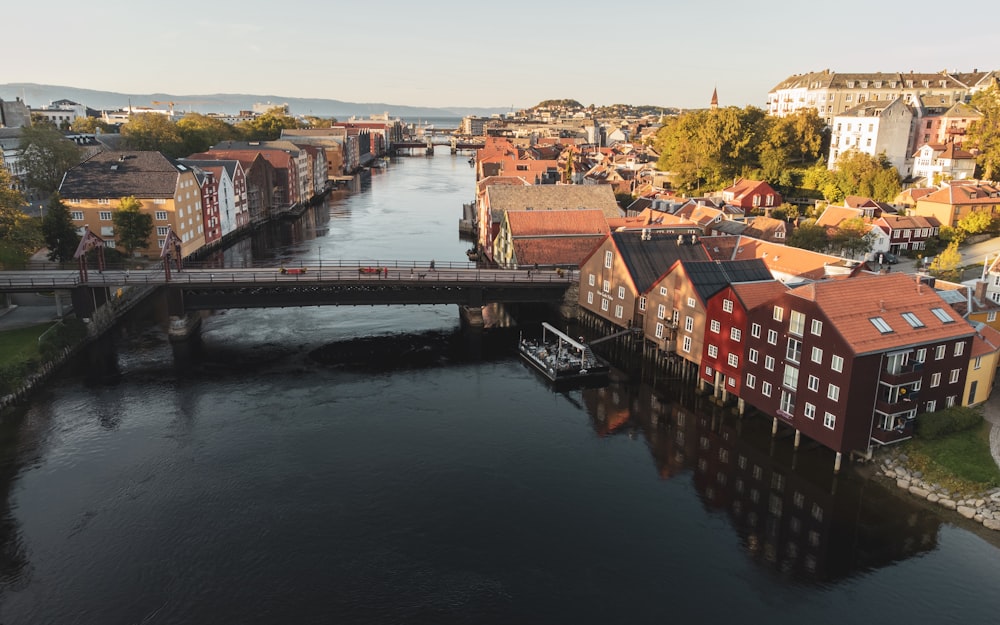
874, 128
943, 162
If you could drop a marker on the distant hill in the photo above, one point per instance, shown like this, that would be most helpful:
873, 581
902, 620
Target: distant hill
37, 96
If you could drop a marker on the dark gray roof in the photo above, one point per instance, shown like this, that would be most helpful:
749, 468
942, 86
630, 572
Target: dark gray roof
647, 260
728, 226
228, 165
710, 277
121, 174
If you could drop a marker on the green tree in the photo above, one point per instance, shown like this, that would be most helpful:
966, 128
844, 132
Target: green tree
852, 238
200, 132
154, 132
809, 236
58, 231
89, 125
319, 122
858, 173
41, 121
46, 156
267, 127
132, 226
19, 234
975, 222
946, 264
984, 133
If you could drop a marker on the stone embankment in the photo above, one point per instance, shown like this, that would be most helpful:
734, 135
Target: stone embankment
982, 507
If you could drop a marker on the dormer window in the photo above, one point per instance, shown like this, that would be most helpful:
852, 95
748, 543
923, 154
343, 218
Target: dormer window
850, 84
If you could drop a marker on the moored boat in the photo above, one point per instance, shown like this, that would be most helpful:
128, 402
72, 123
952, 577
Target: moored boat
562, 359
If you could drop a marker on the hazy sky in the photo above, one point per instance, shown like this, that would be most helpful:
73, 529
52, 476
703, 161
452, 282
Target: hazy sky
486, 54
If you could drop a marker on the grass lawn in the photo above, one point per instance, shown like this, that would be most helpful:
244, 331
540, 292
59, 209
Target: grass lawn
21, 344
961, 461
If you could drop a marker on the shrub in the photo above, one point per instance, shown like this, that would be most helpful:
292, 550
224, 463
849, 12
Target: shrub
934, 425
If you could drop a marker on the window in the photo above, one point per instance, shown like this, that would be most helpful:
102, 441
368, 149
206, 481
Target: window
752, 355
735, 334
604, 304
734, 360
912, 319
769, 363
959, 349
939, 352
687, 344
978, 362
787, 402
754, 328
791, 377
942, 315
76, 215
880, 325
837, 363
796, 323
642, 304
936, 379
663, 290
688, 324
727, 305
661, 311
713, 351
921, 355
950, 401
833, 392
813, 383
606, 287
161, 231
829, 420
809, 411
793, 351
751, 380
991, 316
621, 292
103, 200
715, 326
659, 330
159, 200
592, 279
931, 405
104, 215
772, 337
618, 311
779, 313
691, 302
609, 259
817, 355
590, 294
765, 389
954, 375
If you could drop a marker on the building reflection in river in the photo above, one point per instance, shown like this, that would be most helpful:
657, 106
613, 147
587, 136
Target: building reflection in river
792, 515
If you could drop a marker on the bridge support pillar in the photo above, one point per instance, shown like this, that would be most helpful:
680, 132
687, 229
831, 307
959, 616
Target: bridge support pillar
184, 327
472, 316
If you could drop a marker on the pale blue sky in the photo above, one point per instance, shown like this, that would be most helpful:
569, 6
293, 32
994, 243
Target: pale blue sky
486, 54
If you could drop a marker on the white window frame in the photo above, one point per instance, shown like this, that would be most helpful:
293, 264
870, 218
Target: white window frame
753, 355
733, 360
621, 292
714, 326
727, 305
772, 337
779, 313
609, 259
829, 421
959, 348
686, 344
953, 377
837, 363
765, 389
713, 351
755, 330
817, 355
809, 411
735, 334
769, 363
688, 324
833, 392
751, 380
619, 311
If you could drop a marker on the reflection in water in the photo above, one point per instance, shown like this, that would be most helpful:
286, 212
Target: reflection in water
792, 514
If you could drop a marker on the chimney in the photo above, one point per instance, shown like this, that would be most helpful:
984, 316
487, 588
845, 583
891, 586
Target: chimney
980, 292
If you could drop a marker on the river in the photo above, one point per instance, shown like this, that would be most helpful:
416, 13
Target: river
364, 465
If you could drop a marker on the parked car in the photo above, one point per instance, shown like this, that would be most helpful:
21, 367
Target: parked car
885, 258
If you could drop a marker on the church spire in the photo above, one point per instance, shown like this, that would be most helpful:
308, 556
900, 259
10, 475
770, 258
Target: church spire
715, 98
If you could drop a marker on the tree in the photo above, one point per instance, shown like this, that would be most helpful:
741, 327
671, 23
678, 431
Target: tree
945, 265
19, 233
199, 132
41, 121
152, 131
89, 125
132, 226
809, 236
58, 231
975, 222
984, 133
853, 238
267, 127
861, 174
319, 122
46, 156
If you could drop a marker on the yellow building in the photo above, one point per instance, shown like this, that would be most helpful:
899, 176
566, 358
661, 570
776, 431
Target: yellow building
982, 366
168, 192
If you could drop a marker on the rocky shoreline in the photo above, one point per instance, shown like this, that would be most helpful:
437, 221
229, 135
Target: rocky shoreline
981, 507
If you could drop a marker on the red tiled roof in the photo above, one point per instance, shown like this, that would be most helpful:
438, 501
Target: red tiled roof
753, 294
834, 215
542, 222
555, 250
851, 304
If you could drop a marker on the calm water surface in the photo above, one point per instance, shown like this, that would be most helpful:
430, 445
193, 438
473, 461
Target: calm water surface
250, 483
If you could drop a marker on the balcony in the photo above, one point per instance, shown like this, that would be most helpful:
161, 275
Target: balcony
910, 372
903, 404
898, 434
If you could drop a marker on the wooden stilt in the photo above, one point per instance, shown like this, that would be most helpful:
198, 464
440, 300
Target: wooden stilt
836, 462
798, 438
774, 427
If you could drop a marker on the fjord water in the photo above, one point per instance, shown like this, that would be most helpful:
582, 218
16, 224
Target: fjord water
249, 482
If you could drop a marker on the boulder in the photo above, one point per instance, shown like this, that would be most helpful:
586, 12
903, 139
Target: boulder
933, 498
919, 492
947, 503
991, 524
966, 511
903, 483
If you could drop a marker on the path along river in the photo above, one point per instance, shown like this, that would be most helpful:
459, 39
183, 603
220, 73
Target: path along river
290, 472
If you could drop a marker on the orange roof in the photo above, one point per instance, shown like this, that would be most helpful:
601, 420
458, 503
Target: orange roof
555, 250
851, 305
791, 261
543, 222
973, 192
834, 215
987, 341
753, 294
